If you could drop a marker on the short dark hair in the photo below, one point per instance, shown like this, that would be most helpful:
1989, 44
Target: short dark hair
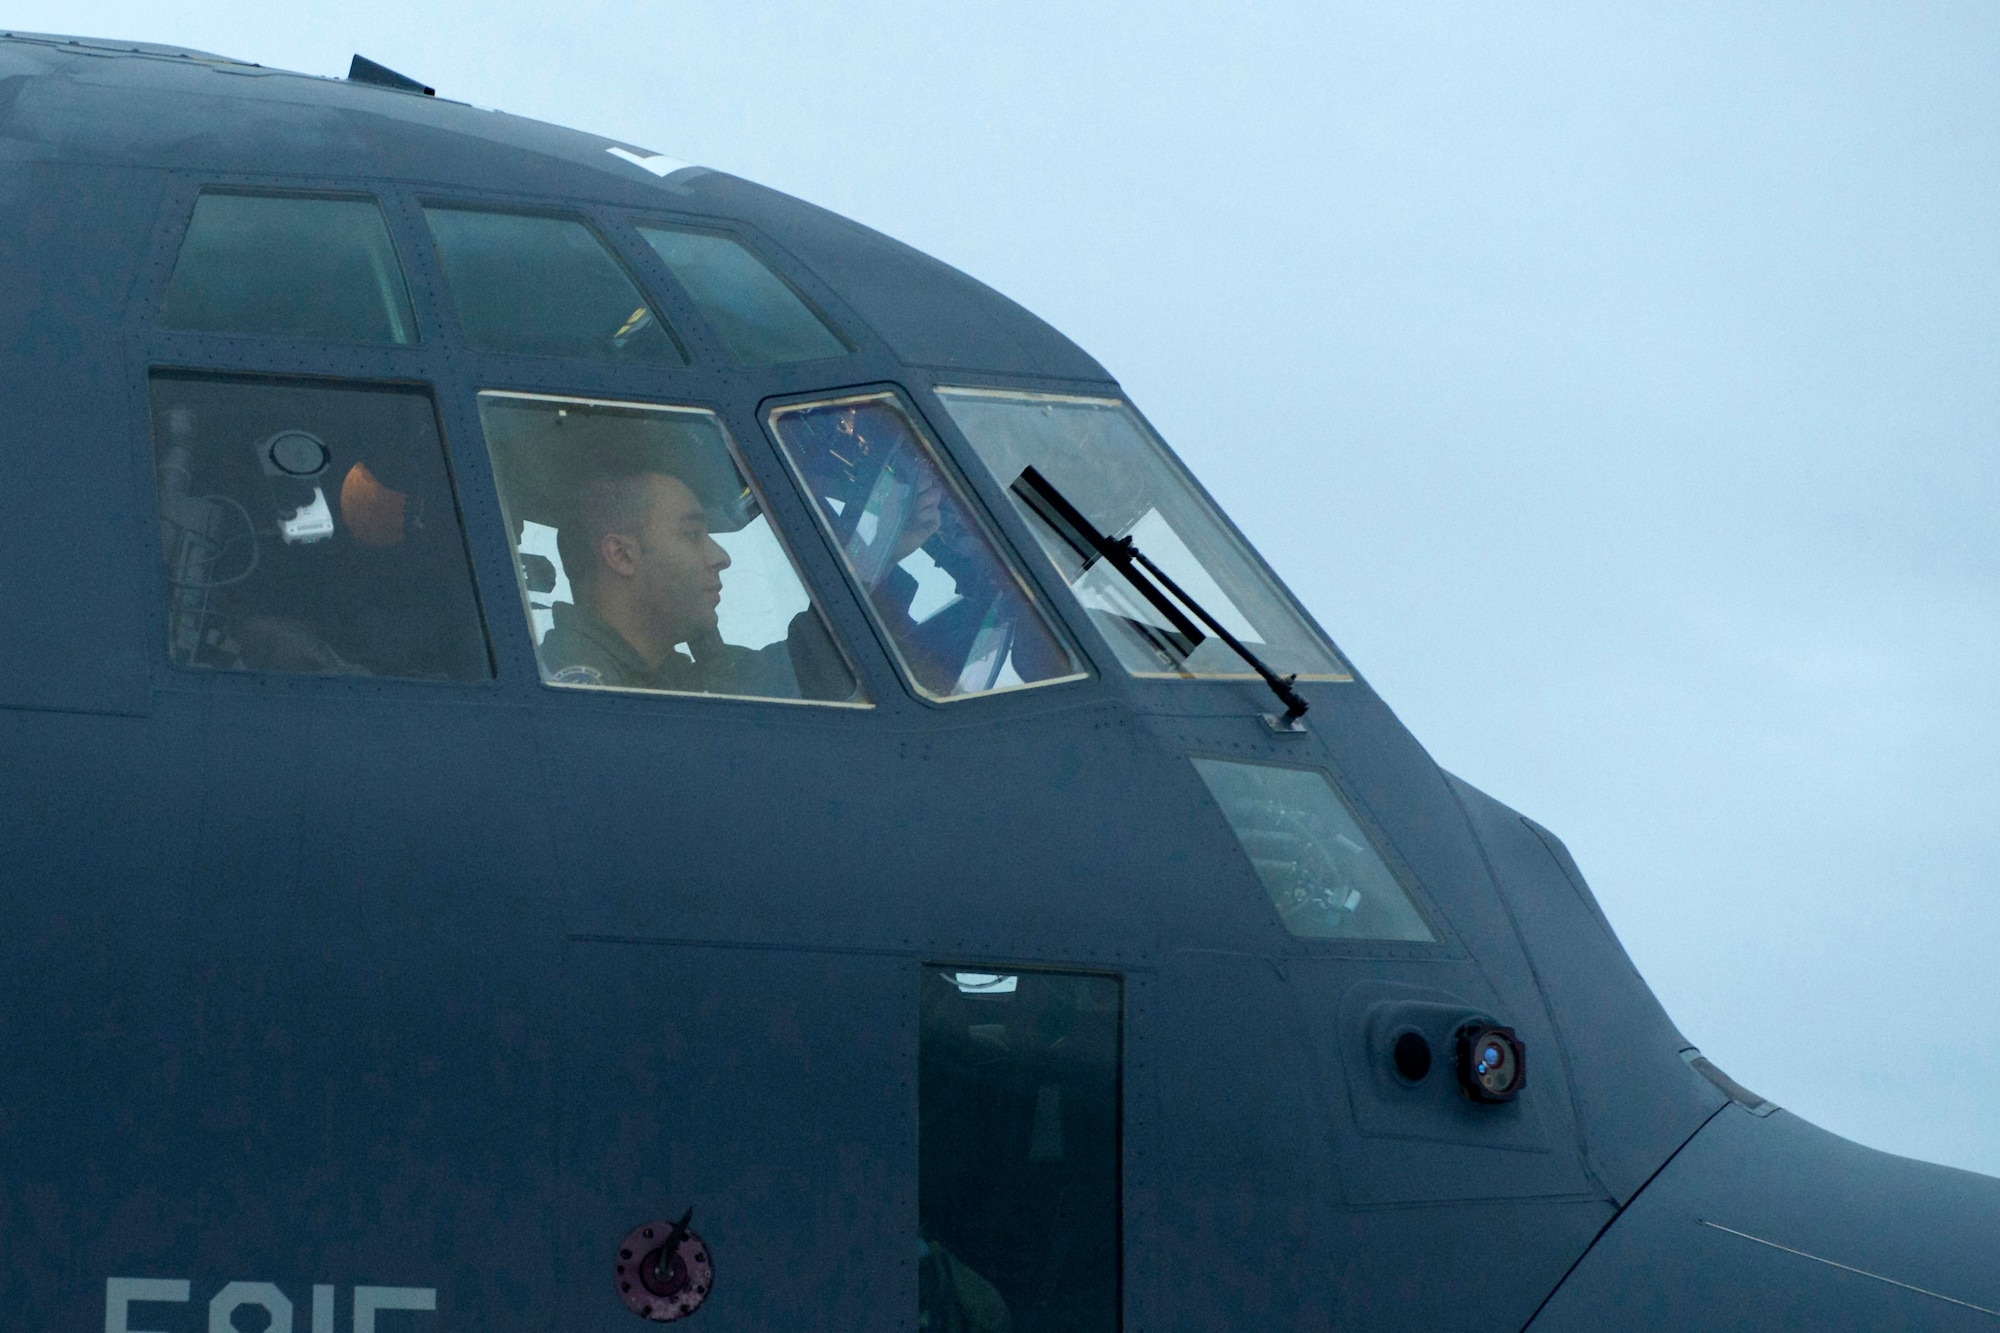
600, 505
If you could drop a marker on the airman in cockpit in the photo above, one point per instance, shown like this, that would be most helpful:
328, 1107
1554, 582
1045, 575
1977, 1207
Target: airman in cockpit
646, 574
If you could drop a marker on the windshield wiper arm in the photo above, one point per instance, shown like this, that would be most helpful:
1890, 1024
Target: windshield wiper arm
1067, 521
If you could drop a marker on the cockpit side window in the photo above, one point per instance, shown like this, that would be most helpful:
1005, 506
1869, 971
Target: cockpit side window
647, 561
1102, 459
311, 527
545, 286
959, 616
1018, 1110
290, 267
752, 311
1322, 871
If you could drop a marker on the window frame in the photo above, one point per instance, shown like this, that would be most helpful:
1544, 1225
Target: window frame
427, 364
721, 419
672, 321
1113, 396
955, 477
1446, 945
188, 195
151, 370
455, 374
622, 223
637, 223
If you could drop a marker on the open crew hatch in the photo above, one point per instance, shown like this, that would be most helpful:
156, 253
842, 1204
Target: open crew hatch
1018, 1152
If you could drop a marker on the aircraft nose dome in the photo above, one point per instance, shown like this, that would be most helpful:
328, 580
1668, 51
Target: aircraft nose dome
1770, 1222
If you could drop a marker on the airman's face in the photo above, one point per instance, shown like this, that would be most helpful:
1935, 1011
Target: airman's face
675, 566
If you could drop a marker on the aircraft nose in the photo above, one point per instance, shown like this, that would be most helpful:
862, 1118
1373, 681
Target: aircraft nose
1769, 1222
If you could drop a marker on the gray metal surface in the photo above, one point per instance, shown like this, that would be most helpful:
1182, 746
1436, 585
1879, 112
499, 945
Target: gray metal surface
382, 992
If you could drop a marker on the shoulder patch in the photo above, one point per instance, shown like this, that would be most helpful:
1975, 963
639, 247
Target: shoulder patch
577, 675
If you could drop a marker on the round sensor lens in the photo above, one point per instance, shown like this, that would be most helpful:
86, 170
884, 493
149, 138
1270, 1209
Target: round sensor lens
1492, 1066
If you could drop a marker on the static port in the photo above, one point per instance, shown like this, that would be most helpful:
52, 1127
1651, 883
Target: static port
1492, 1065
1412, 1056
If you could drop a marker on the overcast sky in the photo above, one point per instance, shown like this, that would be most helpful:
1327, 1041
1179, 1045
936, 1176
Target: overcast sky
1617, 384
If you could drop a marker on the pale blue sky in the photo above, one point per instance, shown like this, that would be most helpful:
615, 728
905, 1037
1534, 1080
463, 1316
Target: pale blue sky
1619, 385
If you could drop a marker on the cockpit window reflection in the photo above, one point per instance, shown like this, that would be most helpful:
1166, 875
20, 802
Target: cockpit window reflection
546, 287
311, 528
646, 560
961, 619
1018, 1085
1323, 873
753, 312
1103, 460
289, 267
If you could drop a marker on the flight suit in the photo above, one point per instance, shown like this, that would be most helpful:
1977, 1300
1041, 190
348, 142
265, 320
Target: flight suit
581, 649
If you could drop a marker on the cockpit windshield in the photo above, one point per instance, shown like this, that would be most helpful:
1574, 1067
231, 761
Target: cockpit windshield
1104, 460
645, 558
960, 618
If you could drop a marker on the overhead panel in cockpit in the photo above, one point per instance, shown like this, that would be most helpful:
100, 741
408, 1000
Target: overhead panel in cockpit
1102, 459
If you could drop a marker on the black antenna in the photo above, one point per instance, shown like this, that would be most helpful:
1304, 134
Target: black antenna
670, 1247
1053, 508
364, 70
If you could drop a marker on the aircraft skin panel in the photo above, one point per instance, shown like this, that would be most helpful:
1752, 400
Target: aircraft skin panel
1392, 1152
773, 1086
76, 236
370, 1001
1636, 1098
1771, 1222
264, 1031
235, 120
1255, 1102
